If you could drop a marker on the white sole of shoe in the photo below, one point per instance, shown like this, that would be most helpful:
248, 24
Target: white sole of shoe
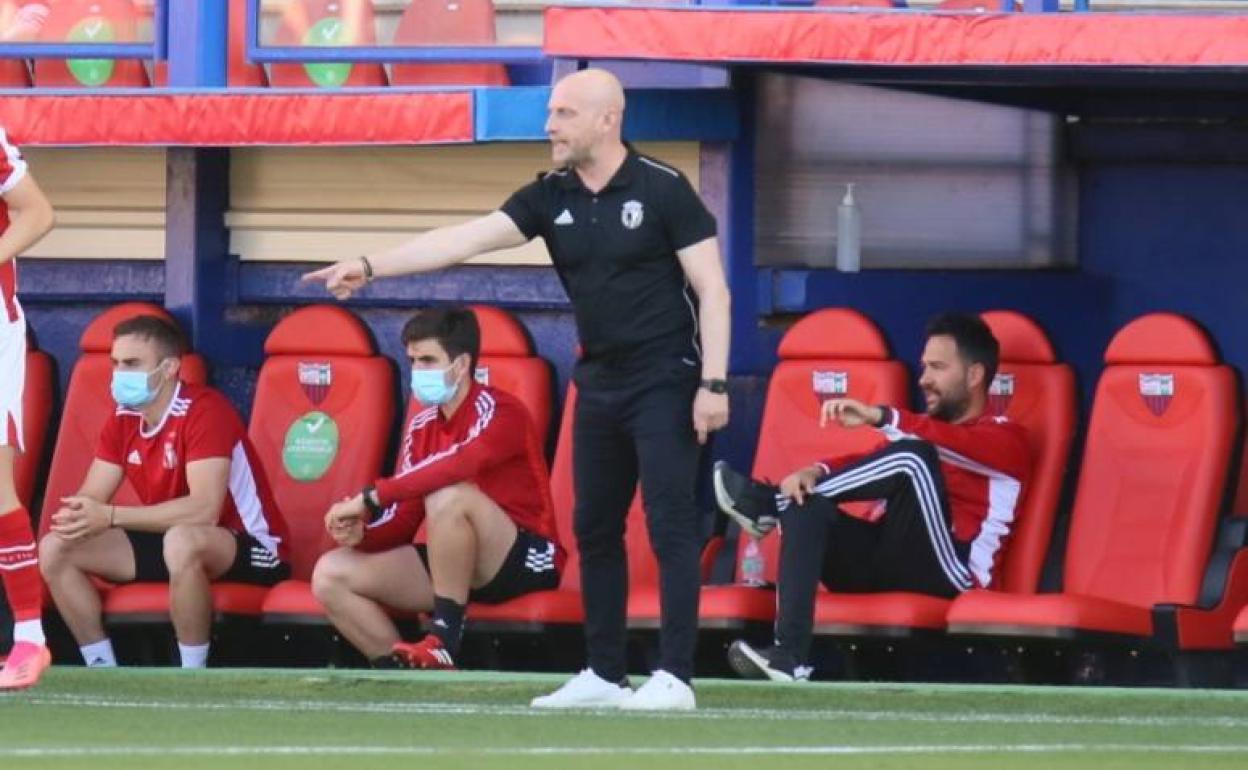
725, 503
749, 664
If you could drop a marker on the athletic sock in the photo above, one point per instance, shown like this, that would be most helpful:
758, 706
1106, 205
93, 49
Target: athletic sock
448, 623
193, 655
19, 567
99, 654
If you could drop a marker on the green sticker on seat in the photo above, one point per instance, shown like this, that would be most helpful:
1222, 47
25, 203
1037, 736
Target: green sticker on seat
311, 446
329, 31
91, 72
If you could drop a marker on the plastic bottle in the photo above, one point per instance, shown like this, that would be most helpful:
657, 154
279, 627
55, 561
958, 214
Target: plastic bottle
848, 233
753, 565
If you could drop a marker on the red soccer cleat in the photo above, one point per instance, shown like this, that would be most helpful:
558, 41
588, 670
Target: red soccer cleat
428, 653
25, 665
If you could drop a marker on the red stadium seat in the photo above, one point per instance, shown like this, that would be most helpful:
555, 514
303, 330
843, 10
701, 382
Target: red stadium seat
829, 352
1032, 389
38, 394
327, 22
447, 23
240, 72
1241, 626
508, 362
1151, 487
85, 21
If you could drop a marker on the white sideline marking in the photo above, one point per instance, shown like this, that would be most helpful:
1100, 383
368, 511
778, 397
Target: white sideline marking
464, 709
1033, 748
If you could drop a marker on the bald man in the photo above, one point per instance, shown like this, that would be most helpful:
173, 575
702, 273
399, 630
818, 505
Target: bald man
636, 251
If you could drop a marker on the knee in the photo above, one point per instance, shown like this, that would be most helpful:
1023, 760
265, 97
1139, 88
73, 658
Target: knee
330, 574
596, 532
447, 503
184, 548
924, 449
53, 555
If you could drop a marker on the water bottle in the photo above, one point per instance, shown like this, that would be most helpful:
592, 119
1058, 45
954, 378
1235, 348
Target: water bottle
848, 233
753, 565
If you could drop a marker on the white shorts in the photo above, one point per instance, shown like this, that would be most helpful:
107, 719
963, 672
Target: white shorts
12, 380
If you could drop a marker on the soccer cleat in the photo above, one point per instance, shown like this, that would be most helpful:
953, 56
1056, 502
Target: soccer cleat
661, 692
750, 503
770, 663
26, 663
428, 653
586, 690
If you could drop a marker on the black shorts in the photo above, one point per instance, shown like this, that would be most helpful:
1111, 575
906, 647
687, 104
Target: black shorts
253, 563
529, 566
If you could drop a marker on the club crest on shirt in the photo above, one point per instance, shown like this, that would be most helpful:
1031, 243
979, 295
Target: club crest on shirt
170, 459
1000, 393
1157, 390
632, 214
315, 379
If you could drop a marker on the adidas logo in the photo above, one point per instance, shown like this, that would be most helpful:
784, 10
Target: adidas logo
565, 218
134, 458
540, 559
440, 623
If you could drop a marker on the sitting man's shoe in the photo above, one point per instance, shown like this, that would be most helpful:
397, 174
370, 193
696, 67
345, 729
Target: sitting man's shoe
769, 663
661, 692
428, 653
26, 663
750, 503
586, 690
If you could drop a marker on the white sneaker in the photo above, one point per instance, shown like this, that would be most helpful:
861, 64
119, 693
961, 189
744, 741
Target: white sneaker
663, 692
586, 690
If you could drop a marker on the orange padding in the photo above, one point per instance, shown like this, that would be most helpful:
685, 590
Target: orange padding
501, 333
1022, 340
98, 336
834, 333
1048, 39
325, 330
239, 119
1161, 338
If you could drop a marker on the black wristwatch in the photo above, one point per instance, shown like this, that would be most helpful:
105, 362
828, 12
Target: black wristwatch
374, 509
716, 386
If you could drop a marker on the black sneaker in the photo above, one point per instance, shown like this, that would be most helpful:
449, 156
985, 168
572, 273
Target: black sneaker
750, 503
770, 663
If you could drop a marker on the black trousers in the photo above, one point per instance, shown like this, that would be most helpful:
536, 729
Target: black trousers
635, 420
910, 548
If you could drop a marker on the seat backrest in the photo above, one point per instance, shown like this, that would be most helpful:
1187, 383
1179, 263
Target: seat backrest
1155, 465
88, 403
508, 362
38, 394
1034, 390
320, 421
327, 23
836, 352
447, 23
90, 21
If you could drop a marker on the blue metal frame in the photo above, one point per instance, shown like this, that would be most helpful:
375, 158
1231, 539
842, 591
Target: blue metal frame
502, 54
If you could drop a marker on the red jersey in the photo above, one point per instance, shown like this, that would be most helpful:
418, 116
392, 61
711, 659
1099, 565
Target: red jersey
985, 463
199, 424
12, 171
489, 441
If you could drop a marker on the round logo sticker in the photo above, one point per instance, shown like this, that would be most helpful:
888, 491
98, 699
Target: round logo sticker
311, 446
329, 31
91, 72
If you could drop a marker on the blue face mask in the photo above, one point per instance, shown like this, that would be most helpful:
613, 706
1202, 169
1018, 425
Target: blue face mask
430, 388
133, 389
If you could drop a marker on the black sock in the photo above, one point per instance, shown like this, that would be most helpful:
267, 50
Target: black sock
448, 623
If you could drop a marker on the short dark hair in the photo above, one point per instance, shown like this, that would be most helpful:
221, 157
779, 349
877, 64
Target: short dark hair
168, 339
455, 329
975, 341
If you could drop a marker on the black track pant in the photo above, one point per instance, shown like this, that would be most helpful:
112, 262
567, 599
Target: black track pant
910, 548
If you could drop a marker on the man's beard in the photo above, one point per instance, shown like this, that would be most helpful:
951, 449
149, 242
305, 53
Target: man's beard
950, 408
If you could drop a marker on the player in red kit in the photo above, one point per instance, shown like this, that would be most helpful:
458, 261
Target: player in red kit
951, 481
25, 217
205, 512
472, 472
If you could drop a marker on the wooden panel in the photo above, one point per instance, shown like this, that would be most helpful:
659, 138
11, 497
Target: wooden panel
296, 204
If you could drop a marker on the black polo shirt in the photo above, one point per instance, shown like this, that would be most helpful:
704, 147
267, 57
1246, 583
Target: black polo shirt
615, 252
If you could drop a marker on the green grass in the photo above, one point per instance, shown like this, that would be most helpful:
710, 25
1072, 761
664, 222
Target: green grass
275, 719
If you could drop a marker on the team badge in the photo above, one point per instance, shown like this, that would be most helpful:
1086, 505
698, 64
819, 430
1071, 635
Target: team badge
171, 456
1157, 390
315, 379
829, 385
1000, 392
632, 214
482, 375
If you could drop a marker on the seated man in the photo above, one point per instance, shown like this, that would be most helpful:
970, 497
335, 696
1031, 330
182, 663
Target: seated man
472, 470
950, 480
205, 509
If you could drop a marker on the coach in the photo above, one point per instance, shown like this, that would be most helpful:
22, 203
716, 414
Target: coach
635, 249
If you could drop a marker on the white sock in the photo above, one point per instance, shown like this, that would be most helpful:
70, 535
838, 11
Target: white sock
193, 655
29, 631
99, 654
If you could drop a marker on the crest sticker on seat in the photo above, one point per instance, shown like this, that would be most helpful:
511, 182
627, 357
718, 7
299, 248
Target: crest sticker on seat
1000, 393
828, 385
1157, 390
315, 378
